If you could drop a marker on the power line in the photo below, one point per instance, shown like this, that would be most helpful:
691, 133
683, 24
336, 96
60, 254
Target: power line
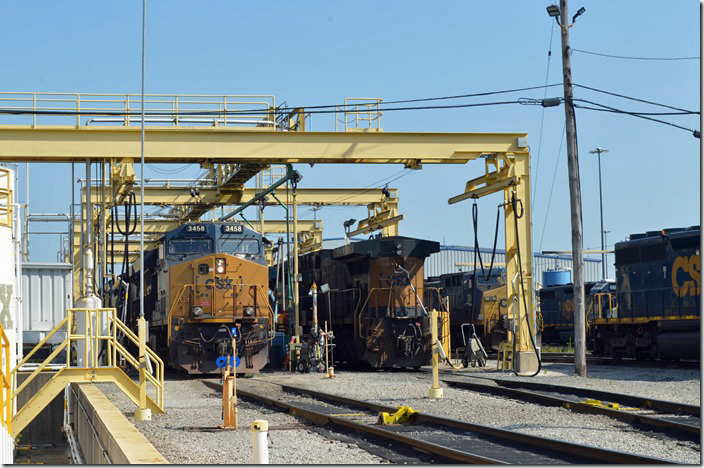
542, 120
632, 98
554, 175
632, 58
619, 111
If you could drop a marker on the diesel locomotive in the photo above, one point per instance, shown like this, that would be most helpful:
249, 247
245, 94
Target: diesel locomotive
205, 285
371, 296
476, 298
655, 311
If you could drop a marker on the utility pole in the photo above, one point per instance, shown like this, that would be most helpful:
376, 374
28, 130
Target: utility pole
580, 358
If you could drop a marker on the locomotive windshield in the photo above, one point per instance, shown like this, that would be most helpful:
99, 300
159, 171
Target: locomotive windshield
239, 245
190, 246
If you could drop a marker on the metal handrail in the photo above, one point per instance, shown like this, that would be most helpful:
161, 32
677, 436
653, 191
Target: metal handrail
215, 106
5, 416
95, 333
5, 193
359, 311
259, 288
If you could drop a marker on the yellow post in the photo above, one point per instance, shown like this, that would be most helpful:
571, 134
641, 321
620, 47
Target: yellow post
435, 390
142, 413
296, 305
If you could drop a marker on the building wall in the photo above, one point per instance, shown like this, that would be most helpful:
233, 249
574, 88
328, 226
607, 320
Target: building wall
47, 294
445, 262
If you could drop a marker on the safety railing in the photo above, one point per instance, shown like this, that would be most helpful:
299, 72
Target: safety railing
100, 349
5, 197
359, 114
391, 298
643, 304
125, 109
5, 392
263, 297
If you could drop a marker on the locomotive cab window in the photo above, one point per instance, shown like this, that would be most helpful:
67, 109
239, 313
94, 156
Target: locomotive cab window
190, 246
239, 245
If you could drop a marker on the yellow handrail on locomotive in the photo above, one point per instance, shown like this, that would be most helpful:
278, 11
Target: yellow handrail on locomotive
358, 312
182, 288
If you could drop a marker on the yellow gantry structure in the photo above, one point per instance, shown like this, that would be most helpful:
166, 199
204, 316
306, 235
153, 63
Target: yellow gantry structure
234, 153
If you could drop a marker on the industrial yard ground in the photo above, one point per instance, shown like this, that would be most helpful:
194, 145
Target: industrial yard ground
185, 433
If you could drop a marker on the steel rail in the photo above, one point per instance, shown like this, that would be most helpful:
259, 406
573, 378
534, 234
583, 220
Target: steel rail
652, 422
660, 405
590, 453
607, 361
322, 418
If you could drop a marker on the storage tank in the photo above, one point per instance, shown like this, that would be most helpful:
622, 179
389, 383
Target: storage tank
556, 277
10, 280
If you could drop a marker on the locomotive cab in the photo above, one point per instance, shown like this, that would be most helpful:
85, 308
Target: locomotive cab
212, 288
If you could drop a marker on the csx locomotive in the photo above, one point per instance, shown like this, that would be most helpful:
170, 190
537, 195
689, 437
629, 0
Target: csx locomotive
206, 284
374, 301
476, 298
655, 311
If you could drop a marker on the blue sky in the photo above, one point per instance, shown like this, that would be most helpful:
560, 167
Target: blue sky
310, 53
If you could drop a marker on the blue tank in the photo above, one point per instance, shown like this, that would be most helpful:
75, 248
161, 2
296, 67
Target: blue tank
556, 277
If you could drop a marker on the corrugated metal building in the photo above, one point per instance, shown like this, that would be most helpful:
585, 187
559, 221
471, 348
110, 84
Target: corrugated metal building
46, 291
445, 260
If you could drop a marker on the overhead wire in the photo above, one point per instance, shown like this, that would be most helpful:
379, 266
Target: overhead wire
554, 175
634, 114
542, 119
626, 57
610, 93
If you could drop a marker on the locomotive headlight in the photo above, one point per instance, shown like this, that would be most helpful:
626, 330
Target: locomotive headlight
220, 265
197, 311
249, 311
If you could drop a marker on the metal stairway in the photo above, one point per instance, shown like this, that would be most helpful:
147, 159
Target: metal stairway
101, 330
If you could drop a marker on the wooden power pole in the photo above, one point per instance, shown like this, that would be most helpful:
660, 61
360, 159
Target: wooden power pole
580, 358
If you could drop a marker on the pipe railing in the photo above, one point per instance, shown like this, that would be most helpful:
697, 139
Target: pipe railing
227, 110
100, 332
6, 390
260, 293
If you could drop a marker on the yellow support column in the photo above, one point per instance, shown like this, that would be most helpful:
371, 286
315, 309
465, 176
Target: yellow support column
143, 413
435, 390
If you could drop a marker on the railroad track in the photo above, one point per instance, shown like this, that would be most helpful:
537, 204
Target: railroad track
675, 419
566, 358
449, 439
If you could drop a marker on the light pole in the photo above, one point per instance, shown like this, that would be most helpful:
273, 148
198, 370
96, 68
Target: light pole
598, 152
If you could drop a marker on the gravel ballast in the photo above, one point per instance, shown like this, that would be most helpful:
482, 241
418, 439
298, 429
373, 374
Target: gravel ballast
409, 388
195, 403
192, 403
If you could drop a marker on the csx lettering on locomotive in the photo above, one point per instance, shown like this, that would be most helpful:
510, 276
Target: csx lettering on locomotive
220, 283
686, 275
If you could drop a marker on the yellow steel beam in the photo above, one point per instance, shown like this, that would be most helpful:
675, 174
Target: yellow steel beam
305, 196
155, 227
222, 144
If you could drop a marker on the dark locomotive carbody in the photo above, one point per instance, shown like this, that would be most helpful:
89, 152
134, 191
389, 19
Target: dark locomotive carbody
557, 311
372, 309
481, 309
204, 284
658, 297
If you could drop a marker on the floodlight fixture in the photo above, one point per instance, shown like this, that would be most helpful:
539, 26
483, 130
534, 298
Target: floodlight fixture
553, 10
579, 13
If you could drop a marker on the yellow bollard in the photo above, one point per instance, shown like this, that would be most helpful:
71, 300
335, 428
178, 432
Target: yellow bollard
435, 390
142, 413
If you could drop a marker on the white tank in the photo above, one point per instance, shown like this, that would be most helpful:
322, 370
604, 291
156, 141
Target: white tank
10, 265
87, 301
10, 282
